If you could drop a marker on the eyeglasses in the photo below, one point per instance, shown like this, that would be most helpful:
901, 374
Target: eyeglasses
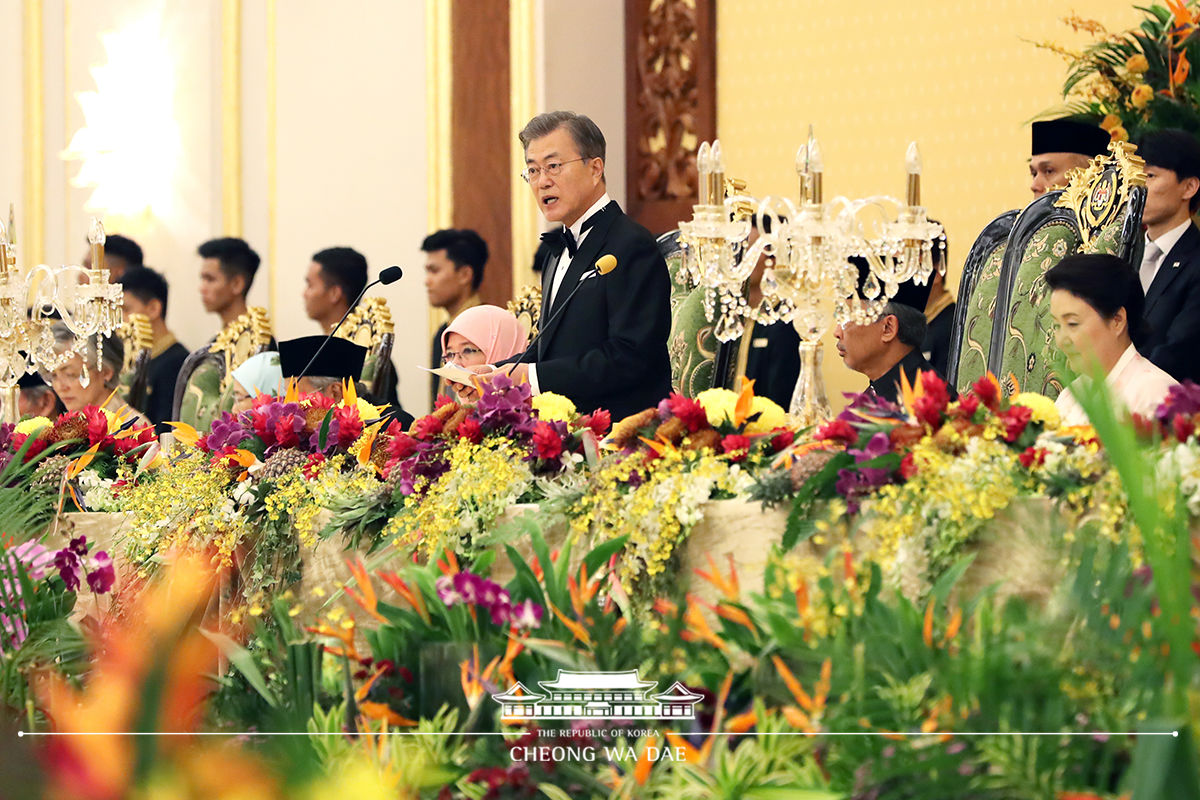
531, 174
466, 352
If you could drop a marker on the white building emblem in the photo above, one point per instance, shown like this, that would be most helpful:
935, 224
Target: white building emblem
605, 695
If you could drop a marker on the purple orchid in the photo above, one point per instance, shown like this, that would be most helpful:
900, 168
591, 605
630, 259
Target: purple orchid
869, 403
102, 575
1182, 398
68, 565
527, 614
505, 404
227, 431
469, 588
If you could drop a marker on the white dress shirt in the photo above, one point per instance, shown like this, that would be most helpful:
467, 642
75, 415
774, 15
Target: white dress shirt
1165, 243
1134, 382
560, 269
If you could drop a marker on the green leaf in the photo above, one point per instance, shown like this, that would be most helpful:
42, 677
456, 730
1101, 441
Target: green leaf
942, 588
323, 435
600, 554
241, 658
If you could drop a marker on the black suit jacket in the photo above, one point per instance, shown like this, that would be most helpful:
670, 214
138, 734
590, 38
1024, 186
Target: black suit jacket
1173, 311
887, 386
773, 361
606, 346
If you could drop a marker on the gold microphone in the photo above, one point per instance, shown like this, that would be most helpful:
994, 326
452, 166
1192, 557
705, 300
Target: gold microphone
606, 264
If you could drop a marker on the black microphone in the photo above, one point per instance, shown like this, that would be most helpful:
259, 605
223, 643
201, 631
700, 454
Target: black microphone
387, 276
604, 265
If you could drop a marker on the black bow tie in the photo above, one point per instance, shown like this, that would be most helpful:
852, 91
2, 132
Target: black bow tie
562, 238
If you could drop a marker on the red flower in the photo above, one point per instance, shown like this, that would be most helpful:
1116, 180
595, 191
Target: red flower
908, 467
546, 441
1014, 420
736, 446
905, 435
838, 430
1146, 427
262, 427
313, 466
689, 410
967, 405
1032, 457
37, 446
928, 410
987, 390
97, 424
349, 424
202, 443
442, 399
427, 427
935, 387
261, 400
782, 439
402, 446
316, 400
1184, 426
600, 421
469, 429
286, 434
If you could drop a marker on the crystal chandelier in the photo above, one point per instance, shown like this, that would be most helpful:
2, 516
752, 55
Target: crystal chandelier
808, 278
32, 302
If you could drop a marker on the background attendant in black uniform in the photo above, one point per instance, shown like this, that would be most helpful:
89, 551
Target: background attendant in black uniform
769, 355
603, 338
891, 344
1170, 268
146, 293
335, 277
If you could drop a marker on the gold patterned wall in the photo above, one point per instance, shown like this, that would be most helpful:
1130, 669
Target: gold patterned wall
871, 76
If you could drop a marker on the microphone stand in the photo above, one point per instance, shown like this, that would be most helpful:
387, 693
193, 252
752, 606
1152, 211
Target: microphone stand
352, 306
591, 273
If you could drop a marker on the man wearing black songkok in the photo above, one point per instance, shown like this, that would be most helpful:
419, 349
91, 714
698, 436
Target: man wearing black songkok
890, 345
1061, 145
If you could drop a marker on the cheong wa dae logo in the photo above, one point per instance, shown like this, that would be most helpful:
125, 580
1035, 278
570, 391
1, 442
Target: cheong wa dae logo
597, 695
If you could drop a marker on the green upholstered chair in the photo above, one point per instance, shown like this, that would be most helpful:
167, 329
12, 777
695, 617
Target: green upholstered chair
137, 337
692, 344
974, 311
203, 389
370, 325
1099, 211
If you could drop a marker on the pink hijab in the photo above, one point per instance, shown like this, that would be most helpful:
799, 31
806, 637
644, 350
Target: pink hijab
495, 331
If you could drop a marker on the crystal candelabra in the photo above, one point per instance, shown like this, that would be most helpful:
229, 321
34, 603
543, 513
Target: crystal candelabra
808, 278
31, 302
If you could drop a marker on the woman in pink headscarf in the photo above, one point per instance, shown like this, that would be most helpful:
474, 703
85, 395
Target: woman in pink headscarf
481, 335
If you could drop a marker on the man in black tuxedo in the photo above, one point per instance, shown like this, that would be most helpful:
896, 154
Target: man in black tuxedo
603, 337
1170, 268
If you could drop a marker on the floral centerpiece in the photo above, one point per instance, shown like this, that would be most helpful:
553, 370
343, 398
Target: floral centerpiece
97, 450
917, 482
454, 472
1138, 80
252, 487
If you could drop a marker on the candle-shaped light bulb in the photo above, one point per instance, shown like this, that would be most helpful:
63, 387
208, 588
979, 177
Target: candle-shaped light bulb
802, 174
817, 167
912, 164
704, 168
96, 238
718, 174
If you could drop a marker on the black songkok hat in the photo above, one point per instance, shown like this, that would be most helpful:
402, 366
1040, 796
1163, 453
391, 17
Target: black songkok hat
1069, 136
909, 293
32, 380
341, 358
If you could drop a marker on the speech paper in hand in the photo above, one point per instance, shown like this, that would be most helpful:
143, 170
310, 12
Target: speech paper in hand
453, 372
